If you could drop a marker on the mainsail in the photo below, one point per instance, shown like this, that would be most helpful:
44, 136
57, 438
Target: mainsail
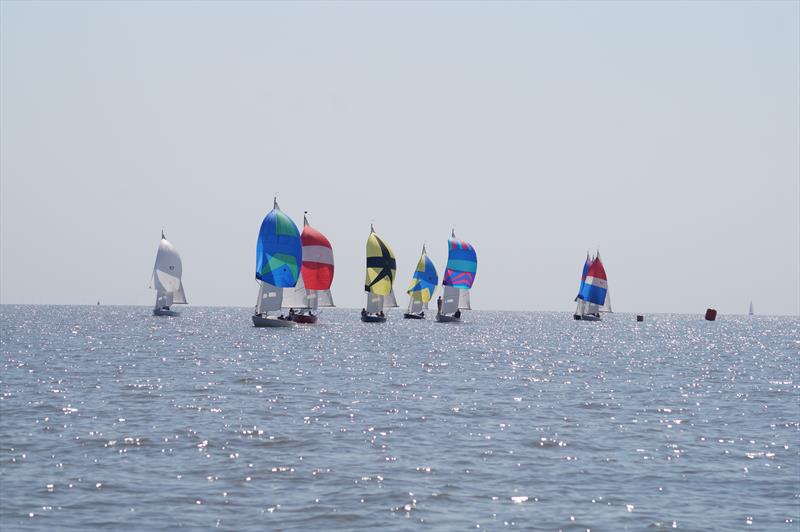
423, 284
381, 268
166, 278
459, 275
313, 287
278, 259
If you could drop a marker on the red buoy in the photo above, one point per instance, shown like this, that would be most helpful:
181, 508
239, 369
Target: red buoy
711, 314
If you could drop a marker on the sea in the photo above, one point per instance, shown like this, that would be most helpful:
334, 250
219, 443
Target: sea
114, 419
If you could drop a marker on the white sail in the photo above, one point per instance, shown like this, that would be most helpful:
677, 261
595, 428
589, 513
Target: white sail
374, 303
590, 308
450, 298
313, 299
166, 277
269, 298
463, 300
607, 304
324, 298
179, 296
390, 301
750, 311
296, 296
163, 299
415, 306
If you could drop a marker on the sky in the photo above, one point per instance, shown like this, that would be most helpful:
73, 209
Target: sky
664, 134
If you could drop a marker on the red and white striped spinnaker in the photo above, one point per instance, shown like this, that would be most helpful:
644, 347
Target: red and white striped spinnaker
313, 287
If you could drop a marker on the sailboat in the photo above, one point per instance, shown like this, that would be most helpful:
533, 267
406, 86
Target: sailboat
459, 275
279, 258
423, 284
593, 295
316, 275
750, 311
166, 279
381, 267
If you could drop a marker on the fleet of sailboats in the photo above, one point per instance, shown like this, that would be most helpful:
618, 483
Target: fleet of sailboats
423, 285
295, 271
593, 295
166, 279
279, 258
459, 275
379, 281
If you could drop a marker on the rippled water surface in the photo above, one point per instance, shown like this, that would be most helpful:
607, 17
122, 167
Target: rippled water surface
111, 418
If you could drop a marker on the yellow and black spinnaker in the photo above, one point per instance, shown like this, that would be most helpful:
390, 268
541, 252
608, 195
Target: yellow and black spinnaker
381, 266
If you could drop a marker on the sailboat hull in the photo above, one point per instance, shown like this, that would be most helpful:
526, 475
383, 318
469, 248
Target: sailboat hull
270, 321
373, 319
165, 312
304, 318
586, 317
412, 316
444, 318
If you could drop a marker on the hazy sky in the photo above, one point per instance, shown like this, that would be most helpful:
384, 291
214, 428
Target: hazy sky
664, 133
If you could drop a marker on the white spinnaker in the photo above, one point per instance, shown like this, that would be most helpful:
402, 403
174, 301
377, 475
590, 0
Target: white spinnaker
374, 303
269, 298
450, 299
166, 278
297, 296
390, 300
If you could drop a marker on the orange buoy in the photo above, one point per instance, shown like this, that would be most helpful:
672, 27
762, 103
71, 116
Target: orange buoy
711, 314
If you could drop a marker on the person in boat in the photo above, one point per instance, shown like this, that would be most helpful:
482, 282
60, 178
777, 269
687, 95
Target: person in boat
380, 313
363, 312
291, 312
457, 314
439, 304
422, 313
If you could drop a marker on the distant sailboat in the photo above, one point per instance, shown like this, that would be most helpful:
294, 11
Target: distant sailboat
313, 288
381, 268
593, 295
278, 262
166, 279
459, 275
750, 311
423, 285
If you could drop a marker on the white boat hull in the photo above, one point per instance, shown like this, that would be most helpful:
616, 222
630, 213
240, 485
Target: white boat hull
270, 321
